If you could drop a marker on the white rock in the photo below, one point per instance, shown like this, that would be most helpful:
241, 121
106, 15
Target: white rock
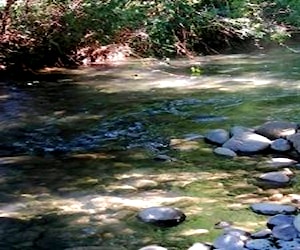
280, 162
153, 247
200, 246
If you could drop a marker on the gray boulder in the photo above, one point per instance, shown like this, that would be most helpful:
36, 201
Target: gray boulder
277, 129
247, 142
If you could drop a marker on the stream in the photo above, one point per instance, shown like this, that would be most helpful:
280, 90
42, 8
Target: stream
82, 151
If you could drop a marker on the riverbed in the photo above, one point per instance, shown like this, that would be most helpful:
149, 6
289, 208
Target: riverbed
82, 151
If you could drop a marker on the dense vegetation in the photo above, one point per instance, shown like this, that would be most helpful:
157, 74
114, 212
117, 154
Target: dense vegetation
38, 33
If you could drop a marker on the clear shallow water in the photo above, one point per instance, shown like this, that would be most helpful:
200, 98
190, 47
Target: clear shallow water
78, 146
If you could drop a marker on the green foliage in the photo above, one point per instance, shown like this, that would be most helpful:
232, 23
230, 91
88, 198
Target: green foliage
56, 29
196, 71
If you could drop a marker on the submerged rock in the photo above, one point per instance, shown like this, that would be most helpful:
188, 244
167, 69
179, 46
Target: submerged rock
236, 130
210, 118
225, 152
162, 216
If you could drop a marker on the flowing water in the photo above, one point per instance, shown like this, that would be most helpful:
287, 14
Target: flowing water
82, 151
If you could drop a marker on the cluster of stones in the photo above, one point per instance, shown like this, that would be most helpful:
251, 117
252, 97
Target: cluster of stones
282, 232
283, 227
279, 136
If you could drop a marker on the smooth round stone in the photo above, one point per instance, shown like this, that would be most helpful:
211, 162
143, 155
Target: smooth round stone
285, 232
217, 136
278, 176
227, 241
162, 216
153, 247
272, 208
280, 219
281, 145
259, 244
280, 162
225, 152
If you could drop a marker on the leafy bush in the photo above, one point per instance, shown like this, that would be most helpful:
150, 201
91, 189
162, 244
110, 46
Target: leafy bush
48, 32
